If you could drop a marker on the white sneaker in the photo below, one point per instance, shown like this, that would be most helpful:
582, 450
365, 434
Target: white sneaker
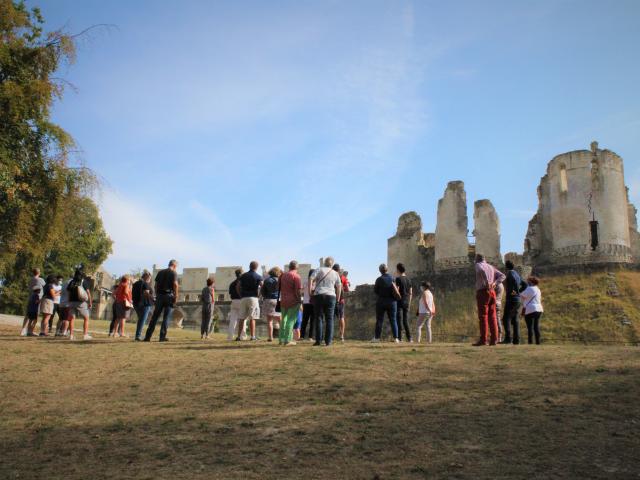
87, 337
23, 333
375, 340
72, 337
396, 341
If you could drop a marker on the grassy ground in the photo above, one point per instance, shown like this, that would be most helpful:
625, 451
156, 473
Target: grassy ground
189, 409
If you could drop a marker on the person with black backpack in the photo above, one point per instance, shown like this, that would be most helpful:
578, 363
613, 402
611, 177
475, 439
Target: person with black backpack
79, 305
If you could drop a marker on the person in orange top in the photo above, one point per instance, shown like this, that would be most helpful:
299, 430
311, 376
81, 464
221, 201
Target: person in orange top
124, 303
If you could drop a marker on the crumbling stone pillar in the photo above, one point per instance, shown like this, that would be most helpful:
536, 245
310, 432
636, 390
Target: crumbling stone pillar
487, 231
451, 245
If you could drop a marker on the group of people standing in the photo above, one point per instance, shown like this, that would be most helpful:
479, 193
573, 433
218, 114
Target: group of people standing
297, 308
290, 304
521, 297
394, 298
143, 298
53, 297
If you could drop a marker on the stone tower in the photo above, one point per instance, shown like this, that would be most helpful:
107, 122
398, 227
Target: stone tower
410, 246
451, 244
583, 213
487, 231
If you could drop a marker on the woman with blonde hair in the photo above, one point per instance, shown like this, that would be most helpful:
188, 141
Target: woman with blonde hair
124, 304
270, 294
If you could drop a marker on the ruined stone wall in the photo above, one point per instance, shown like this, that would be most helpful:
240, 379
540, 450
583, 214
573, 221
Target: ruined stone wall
578, 187
487, 231
194, 279
410, 246
223, 277
451, 243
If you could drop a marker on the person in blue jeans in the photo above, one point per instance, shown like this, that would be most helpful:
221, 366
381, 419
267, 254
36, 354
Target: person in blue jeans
167, 294
387, 292
326, 288
142, 294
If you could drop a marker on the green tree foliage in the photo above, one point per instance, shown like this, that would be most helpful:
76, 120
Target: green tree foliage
47, 218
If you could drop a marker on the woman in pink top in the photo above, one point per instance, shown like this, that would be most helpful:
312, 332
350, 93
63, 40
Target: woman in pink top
124, 303
290, 302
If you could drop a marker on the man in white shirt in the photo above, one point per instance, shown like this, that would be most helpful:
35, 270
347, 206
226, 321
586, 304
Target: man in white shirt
326, 288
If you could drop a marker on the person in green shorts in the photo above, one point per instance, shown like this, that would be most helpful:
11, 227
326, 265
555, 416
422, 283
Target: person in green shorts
290, 302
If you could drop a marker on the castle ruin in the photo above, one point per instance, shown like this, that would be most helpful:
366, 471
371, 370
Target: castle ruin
584, 217
448, 249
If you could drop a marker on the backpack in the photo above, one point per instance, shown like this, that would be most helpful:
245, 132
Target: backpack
81, 293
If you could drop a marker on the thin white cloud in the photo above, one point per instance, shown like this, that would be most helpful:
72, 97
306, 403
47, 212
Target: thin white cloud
141, 237
366, 110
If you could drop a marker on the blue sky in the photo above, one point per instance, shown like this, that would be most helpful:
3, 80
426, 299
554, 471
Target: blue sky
232, 131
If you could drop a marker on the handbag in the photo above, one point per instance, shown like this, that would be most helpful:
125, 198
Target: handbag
83, 296
278, 305
127, 304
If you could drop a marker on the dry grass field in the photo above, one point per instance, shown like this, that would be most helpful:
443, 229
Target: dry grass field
195, 410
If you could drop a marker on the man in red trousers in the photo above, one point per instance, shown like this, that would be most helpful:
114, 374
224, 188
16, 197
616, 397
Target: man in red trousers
487, 277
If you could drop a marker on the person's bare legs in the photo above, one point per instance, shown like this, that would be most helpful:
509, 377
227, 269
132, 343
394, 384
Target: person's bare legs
269, 327
85, 326
252, 327
71, 319
32, 326
120, 327
342, 327
44, 326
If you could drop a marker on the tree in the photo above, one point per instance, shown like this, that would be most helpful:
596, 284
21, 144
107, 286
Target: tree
38, 185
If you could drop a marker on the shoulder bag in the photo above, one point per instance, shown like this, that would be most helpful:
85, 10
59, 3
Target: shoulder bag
320, 281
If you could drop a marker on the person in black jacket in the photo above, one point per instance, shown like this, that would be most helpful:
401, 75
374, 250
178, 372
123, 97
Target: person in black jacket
513, 286
166, 288
406, 293
388, 295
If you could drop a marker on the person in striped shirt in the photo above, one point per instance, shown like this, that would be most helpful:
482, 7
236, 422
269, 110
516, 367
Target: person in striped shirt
487, 277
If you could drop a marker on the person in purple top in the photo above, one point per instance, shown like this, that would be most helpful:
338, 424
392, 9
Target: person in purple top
486, 279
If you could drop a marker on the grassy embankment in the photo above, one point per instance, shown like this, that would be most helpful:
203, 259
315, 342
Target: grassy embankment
594, 307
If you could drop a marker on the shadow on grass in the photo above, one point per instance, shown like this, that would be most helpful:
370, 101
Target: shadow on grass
454, 418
